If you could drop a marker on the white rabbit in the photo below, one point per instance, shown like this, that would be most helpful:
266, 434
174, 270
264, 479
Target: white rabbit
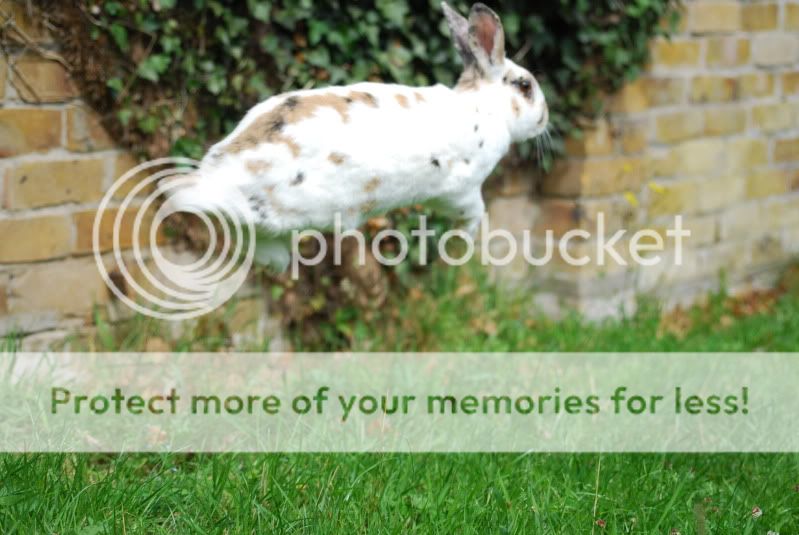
305, 156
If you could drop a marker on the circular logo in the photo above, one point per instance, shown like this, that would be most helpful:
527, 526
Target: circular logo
165, 288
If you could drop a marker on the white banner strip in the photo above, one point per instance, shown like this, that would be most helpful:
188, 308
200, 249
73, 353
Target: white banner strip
634, 402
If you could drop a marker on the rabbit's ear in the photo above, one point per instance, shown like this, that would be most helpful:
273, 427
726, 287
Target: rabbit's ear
486, 38
459, 27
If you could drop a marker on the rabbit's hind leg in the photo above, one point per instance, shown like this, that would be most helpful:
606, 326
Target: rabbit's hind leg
273, 252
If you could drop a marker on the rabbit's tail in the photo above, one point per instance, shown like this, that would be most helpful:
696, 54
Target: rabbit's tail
200, 194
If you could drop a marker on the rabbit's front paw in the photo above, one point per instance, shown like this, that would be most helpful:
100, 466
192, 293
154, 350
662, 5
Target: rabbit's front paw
468, 212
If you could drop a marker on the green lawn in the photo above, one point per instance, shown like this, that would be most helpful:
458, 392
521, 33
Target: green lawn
572, 494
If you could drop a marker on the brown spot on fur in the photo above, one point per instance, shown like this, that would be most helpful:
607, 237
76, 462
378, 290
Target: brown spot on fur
419, 97
372, 185
305, 107
517, 110
268, 127
291, 144
364, 97
403, 100
336, 158
258, 167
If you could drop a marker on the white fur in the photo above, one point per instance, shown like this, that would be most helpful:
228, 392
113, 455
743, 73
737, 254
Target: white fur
439, 148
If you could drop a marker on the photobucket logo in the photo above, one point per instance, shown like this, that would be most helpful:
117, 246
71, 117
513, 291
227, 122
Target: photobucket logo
161, 287
605, 247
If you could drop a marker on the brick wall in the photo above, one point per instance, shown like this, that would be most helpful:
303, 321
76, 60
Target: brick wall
56, 163
711, 133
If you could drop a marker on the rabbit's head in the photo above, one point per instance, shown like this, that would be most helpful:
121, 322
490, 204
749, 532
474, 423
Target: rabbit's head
511, 89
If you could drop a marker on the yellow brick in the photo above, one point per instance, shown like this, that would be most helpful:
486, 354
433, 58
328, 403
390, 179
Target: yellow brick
124, 163
595, 141
632, 136
84, 228
758, 17
703, 229
773, 117
714, 89
699, 157
632, 98
775, 48
766, 183
756, 85
711, 17
28, 20
36, 184
782, 212
744, 154
740, 220
501, 210
24, 130
39, 80
792, 16
558, 216
675, 53
70, 288
727, 52
790, 83
36, 238
716, 193
679, 126
674, 198
662, 165
665, 91
595, 177
85, 132
786, 150
724, 121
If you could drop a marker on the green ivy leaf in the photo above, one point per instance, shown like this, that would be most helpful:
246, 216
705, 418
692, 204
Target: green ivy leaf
152, 67
260, 9
394, 11
115, 84
124, 115
120, 35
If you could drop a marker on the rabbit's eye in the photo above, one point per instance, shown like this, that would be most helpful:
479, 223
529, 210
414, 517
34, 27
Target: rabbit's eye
525, 86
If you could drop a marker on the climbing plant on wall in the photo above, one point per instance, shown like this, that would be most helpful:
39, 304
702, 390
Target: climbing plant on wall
174, 75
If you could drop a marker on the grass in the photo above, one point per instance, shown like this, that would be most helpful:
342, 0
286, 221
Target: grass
487, 493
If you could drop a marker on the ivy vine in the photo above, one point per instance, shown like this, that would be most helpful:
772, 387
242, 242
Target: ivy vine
172, 76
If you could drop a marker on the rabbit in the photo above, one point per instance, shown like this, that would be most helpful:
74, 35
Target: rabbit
357, 151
